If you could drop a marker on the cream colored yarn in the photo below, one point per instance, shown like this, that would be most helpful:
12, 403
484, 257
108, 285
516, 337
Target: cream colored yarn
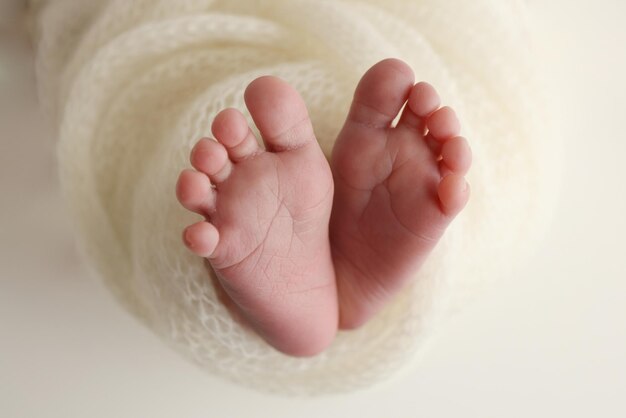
132, 84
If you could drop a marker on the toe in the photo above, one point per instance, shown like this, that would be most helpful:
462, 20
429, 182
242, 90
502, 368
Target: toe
443, 124
456, 155
453, 193
381, 93
280, 114
195, 193
211, 158
423, 100
201, 238
231, 130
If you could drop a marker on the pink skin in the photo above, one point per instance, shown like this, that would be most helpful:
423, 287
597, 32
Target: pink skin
266, 240
396, 188
267, 213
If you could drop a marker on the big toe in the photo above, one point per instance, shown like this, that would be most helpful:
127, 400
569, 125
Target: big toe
381, 93
280, 114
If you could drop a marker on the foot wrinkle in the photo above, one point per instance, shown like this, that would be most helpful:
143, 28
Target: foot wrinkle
318, 204
372, 108
354, 188
310, 289
293, 230
422, 237
281, 148
355, 267
267, 232
348, 185
248, 157
237, 263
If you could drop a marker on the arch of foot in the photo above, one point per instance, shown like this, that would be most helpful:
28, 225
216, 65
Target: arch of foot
134, 84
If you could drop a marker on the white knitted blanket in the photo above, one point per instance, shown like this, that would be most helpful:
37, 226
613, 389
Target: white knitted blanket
132, 84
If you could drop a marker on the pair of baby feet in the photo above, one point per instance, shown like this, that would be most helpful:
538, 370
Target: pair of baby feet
300, 247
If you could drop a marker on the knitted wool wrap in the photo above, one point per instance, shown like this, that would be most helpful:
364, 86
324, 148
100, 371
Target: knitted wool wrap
131, 85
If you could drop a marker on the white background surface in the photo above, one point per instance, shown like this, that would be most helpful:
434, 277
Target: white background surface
549, 342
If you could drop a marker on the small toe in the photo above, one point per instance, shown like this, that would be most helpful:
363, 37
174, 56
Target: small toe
211, 158
453, 193
456, 154
231, 129
443, 124
195, 193
201, 238
423, 100
280, 114
381, 93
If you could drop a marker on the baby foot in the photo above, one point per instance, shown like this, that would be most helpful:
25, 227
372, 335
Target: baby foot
396, 188
267, 214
